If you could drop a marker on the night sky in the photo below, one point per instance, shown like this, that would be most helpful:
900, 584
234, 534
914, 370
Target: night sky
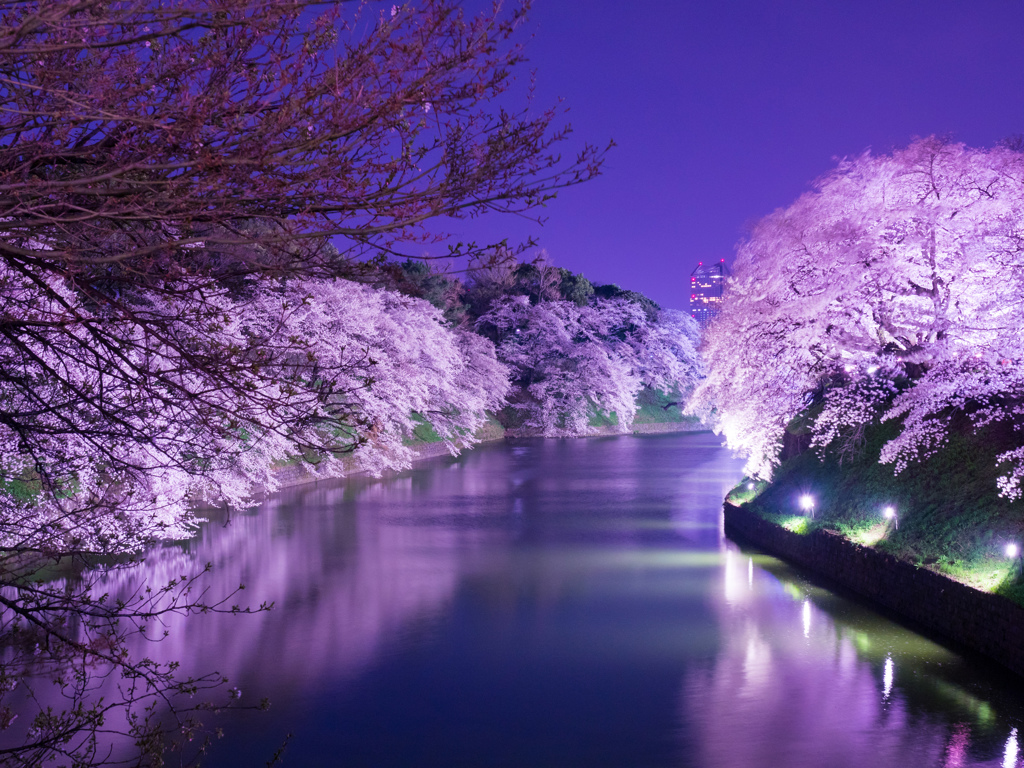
724, 111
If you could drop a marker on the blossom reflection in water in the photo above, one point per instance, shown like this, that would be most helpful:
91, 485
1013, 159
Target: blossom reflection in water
779, 693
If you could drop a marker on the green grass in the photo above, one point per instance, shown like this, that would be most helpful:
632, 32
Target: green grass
23, 489
656, 407
423, 433
950, 516
602, 419
746, 491
653, 407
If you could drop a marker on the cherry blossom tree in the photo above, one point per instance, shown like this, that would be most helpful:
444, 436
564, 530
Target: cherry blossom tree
188, 190
133, 131
171, 174
320, 369
895, 267
328, 373
569, 361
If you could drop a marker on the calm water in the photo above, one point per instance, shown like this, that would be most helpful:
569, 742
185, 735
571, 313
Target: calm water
562, 603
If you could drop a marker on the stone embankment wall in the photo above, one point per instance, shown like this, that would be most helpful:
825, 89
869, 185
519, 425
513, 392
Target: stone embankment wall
988, 624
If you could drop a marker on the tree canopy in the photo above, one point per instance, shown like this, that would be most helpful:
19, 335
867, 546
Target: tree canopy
892, 290
194, 195
183, 184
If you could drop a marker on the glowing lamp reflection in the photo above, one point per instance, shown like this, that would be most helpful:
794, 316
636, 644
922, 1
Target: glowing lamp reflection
887, 676
807, 618
1012, 748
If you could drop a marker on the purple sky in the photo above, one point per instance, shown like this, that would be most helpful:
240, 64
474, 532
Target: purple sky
724, 111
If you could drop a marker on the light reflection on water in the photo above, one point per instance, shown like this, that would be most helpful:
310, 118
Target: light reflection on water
561, 603
805, 677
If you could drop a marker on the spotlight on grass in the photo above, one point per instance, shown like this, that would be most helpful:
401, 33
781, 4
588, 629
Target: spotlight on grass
1014, 554
807, 504
890, 514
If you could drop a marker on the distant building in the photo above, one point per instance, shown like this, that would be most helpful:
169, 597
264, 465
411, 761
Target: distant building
706, 285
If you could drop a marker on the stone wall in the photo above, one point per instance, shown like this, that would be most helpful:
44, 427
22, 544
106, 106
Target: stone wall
982, 622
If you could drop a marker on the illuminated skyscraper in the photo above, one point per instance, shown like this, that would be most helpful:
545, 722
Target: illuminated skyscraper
706, 285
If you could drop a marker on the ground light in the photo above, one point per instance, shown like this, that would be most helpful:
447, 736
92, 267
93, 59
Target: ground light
890, 514
1013, 552
807, 504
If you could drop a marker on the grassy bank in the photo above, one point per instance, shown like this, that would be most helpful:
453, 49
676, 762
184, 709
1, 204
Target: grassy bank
653, 407
949, 515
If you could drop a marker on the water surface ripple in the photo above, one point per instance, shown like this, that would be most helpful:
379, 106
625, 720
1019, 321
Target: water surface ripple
562, 603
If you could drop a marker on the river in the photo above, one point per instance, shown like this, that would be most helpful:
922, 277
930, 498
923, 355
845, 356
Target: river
557, 603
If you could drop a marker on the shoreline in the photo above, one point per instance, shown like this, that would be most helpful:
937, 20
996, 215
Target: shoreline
293, 477
986, 624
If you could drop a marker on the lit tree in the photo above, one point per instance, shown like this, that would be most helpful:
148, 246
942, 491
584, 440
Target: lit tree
188, 188
905, 265
172, 169
568, 361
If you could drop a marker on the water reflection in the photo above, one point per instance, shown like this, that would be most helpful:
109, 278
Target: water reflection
565, 603
346, 578
807, 678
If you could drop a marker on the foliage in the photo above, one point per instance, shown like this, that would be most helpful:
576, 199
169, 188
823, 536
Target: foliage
949, 511
418, 279
173, 318
650, 308
655, 406
575, 288
897, 284
321, 367
501, 275
188, 189
569, 362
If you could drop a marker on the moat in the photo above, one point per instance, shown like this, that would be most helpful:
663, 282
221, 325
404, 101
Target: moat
561, 603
